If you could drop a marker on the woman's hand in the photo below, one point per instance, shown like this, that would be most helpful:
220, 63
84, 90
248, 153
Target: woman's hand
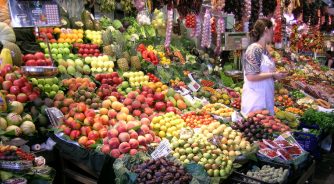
280, 75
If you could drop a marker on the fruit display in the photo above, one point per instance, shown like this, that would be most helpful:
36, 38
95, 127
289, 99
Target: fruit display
283, 101
86, 95
50, 86
295, 111
268, 174
62, 103
73, 67
236, 103
85, 50
46, 32
69, 35
58, 50
253, 130
161, 170
112, 79
297, 94
94, 36
37, 59
148, 54
128, 137
218, 109
167, 125
8, 152
100, 64
153, 78
190, 21
195, 120
16, 86
271, 122
73, 84
136, 79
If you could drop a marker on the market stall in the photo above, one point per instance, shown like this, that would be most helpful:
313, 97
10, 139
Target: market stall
150, 92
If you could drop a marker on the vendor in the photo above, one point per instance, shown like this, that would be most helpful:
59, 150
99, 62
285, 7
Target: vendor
259, 70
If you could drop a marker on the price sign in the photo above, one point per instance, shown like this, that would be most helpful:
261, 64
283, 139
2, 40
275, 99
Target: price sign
162, 150
193, 85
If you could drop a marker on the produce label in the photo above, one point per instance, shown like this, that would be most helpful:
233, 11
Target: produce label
162, 150
216, 140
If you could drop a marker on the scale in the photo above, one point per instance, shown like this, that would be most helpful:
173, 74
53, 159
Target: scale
31, 13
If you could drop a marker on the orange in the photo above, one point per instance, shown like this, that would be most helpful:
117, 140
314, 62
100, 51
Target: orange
62, 35
61, 40
56, 30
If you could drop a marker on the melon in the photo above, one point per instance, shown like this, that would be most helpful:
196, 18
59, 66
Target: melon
14, 119
15, 52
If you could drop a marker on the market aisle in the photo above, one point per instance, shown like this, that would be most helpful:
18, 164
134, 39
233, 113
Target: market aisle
324, 173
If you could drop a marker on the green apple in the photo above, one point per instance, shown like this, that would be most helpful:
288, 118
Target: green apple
54, 51
54, 56
66, 50
34, 81
86, 69
46, 50
60, 51
48, 81
78, 68
41, 81
70, 62
42, 45
67, 45
216, 173
52, 94
128, 90
71, 70
54, 45
189, 150
79, 62
62, 69
55, 87
55, 80
222, 173
71, 55
47, 55
60, 45
47, 87
59, 56
40, 86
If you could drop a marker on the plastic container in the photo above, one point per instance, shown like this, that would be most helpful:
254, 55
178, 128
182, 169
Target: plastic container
309, 142
241, 177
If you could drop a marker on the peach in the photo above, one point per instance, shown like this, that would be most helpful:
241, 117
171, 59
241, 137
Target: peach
105, 149
145, 129
143, 106
122, 127
141, 98
112, 113
124, 147
134, 143
133, 152
97, 126
112, 122
106, 104
114, 143
157, 139
133, 134
142, 140
124, 137
88, 121
103, 111
127, 101
103, 132
149, 138
145, 121
121, 116
136, 104
148, 111
136, 113
104, 119
112, 98
125, 110
112, 133
129, 107
132, 95
143, 116
115, 153
83, 140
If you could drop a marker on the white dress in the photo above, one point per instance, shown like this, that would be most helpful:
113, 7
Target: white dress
257, 95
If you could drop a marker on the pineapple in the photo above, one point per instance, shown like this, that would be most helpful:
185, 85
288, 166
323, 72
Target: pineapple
108, 50
126, 55
123, 64
135, 63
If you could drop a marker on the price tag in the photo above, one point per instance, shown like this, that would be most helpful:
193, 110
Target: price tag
162, 150
54, 115
193, 85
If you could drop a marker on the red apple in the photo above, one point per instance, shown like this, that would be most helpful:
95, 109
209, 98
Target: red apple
18, 82
22, 98
159, 97
14, 90
160, 106
93, 135
10, 77
6, 85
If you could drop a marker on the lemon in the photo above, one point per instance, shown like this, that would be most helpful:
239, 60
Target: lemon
162, 134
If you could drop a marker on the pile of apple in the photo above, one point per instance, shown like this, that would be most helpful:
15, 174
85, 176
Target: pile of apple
79, 125
50, 86
85, 50
48, 32
106, 90
100, 64
94, 36
15, 86
58, 50
62, 103
37, 59
197, 119
73, 84
112, 79
86, 95
136, 79
271, 123
128, 137
70, 66
168, 125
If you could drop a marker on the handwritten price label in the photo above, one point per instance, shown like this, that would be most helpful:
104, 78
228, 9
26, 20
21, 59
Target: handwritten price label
162, 150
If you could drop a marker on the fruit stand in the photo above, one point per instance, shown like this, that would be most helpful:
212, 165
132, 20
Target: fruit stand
150, 98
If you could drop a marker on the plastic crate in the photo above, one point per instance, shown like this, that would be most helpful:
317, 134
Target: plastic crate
239, 176
309, 142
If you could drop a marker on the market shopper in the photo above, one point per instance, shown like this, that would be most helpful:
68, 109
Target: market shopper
259, 70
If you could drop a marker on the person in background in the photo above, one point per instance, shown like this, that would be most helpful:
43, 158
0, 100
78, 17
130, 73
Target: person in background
259, 70
329, 59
